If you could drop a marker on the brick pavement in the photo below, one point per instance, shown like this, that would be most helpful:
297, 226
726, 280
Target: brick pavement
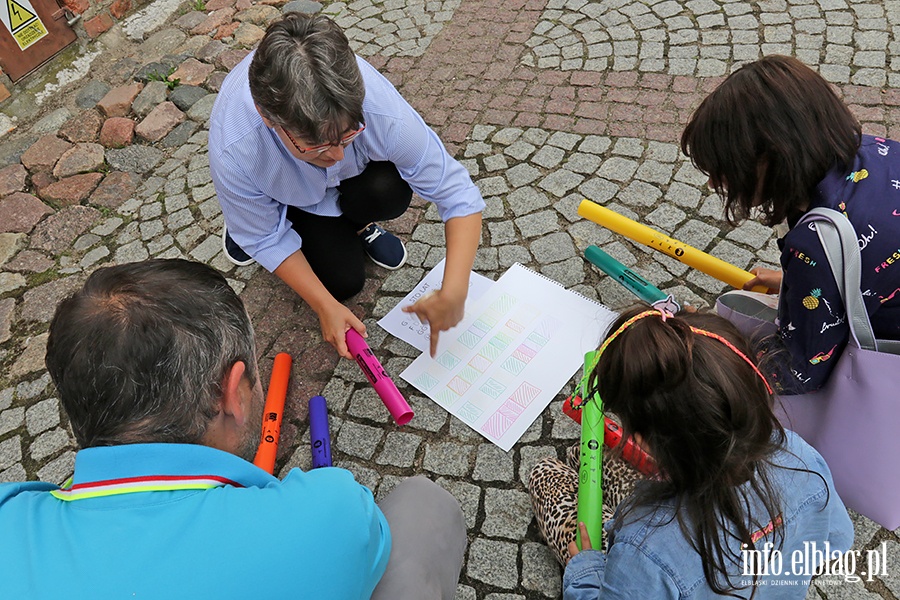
546, 102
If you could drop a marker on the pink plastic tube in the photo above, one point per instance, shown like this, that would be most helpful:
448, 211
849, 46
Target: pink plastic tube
378, 377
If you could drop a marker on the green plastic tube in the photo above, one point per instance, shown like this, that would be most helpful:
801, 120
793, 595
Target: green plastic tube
590, 471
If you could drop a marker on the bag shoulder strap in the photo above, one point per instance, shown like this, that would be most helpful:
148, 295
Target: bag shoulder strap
839, 240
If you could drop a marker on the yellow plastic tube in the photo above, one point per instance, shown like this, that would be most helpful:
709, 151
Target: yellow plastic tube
692, 257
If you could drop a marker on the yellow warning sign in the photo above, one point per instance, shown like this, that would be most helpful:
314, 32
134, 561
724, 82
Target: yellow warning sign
18, 14
30, 33
22, 21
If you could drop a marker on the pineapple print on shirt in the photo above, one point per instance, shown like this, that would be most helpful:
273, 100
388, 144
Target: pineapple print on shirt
857, 176
812, 301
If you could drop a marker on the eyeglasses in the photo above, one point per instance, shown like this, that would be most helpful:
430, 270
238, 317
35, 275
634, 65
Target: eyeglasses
345, 141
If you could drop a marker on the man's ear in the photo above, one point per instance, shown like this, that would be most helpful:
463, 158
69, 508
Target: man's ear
232, 394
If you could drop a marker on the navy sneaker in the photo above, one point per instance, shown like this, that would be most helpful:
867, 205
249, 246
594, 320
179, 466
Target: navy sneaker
233, 252
385, 249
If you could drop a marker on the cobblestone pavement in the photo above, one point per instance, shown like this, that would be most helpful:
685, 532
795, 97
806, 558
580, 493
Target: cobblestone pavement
545, 102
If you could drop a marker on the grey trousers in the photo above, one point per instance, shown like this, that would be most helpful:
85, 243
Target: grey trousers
428, 535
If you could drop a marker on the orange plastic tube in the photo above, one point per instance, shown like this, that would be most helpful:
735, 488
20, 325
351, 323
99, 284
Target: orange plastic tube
271, 428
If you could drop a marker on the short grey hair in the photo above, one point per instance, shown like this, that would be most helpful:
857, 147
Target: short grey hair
304, 78
140, 353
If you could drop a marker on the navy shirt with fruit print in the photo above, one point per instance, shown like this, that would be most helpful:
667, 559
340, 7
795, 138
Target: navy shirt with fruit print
812, 320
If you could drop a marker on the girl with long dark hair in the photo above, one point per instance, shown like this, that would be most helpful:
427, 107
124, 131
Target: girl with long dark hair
733, 486
776, 141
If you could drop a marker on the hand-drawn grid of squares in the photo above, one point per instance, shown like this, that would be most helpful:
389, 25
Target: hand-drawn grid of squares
469, 412
489, 352
486, 321
499, 422
530, 346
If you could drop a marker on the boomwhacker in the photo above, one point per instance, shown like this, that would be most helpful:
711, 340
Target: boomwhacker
271, 430
590, 470
692, 257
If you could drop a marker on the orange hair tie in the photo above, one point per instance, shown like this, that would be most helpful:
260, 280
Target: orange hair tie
702, 332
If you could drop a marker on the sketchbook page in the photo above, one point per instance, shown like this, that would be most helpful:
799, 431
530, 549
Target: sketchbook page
408, 327
512, 355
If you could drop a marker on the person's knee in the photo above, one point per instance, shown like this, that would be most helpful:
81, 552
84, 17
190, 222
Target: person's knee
441, 499
379, 190
442, 507
343, 283
386, 183
544, 465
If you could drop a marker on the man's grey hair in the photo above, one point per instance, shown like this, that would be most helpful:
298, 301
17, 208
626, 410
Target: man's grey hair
140, 353
304, 78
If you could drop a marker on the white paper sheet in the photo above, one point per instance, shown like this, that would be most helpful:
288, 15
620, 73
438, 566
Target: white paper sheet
407, 326
501, 366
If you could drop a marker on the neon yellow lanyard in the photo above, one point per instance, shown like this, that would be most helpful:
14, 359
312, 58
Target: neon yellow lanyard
131, 485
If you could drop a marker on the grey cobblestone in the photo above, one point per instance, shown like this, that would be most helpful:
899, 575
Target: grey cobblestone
48, 443
365, 404
492, 464
501, 233
617, 168
11, 419
892, 580
6, 397
13, 474
10, 452
468, 495
525, 200
732, 254
359, 440
537, 224
548, 157
486, 259
553, 248
448, 458
464, 592
638, 193
599, 190
399, 449
131, 252
509, 255
30, 389
495, 162
521, 175
493, 562
569, 272
42, 416
209, 248
162, 243
520, 150
560, 182
540, 571
585, 164
507, 513
666, 217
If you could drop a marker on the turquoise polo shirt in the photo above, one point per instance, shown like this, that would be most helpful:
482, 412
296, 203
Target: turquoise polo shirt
237, 533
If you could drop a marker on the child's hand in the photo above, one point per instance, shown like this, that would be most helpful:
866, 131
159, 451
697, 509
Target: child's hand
769, 279
585, 542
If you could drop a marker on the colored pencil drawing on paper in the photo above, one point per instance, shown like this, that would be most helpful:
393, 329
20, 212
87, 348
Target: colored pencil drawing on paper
514, 351
407, 327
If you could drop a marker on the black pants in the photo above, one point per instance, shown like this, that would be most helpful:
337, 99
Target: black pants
331, 245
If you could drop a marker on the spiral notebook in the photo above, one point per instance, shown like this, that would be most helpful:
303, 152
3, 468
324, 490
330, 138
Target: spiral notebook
511, 355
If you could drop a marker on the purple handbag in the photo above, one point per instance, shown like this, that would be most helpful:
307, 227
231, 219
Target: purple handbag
854, 420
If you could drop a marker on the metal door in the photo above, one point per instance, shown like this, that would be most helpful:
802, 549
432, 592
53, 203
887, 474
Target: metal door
31, 33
